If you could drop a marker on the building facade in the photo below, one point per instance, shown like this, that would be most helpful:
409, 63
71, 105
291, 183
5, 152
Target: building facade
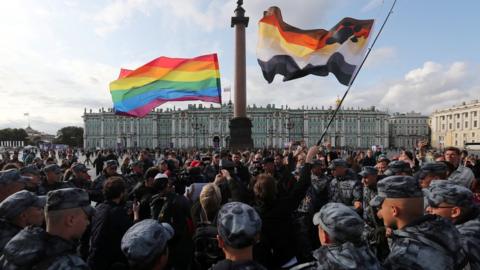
201, 127
406, 129
456, 126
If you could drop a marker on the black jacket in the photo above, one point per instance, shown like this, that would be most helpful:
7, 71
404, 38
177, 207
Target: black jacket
277, 236
109, 224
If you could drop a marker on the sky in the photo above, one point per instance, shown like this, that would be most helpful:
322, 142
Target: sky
58, 57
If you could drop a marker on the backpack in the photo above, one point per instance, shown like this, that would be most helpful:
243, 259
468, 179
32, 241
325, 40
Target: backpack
207, 252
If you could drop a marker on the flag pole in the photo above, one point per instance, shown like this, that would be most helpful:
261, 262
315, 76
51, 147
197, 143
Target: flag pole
355, 75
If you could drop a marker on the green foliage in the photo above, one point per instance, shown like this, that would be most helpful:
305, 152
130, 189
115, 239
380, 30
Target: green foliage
13, 134
72, 136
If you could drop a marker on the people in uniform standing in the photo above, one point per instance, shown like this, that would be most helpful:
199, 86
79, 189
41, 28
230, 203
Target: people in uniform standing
418, 241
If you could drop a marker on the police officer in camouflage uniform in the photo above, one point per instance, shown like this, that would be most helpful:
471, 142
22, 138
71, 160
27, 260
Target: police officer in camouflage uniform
33, 173
145, 244
418, 241
67, 216
315, 198
344, 187
53, 179
239, 227
374, 231
432, 171
96, 191
340, 231
455, 203
80, 177
10, 182
17, 211
398, 167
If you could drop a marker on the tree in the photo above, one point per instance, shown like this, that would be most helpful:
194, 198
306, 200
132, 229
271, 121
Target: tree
71, 136
13, 134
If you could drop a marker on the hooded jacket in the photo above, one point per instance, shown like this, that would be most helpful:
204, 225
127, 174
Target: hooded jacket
33, 248
430, 242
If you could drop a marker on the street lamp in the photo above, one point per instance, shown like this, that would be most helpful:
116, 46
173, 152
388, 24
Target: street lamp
196, 126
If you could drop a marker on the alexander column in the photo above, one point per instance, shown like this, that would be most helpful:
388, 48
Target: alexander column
240, 125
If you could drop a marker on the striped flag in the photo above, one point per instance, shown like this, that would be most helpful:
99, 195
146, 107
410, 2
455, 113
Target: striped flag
294, 53
137, 92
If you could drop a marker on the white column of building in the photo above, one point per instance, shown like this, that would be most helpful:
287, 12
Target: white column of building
358, 133
137, 127
385, 132
173, 132
155, 131
306, 133
343, 133
102, 131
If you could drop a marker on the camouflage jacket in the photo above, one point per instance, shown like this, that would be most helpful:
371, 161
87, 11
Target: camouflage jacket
470, 239
368, 213
33, 248
346, 189
7, 232
315, 197
44, 188
342, 257
431, 242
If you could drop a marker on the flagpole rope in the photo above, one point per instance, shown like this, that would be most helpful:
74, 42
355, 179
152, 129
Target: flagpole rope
355, 75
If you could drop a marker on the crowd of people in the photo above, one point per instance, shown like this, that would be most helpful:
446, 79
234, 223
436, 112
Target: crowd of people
295, 208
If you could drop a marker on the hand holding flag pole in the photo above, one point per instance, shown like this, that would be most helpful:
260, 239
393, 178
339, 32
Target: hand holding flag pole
355, 75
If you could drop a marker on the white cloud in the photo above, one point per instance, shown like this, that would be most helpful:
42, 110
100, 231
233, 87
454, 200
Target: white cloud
372, 4
380, 56
425, 89
207, 15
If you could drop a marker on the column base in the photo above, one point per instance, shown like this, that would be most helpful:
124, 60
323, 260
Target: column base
240, 133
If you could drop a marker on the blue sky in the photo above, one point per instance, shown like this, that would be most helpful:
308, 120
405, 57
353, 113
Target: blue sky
58, 57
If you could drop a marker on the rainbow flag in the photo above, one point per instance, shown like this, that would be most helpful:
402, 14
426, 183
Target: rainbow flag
294, 53
137, 92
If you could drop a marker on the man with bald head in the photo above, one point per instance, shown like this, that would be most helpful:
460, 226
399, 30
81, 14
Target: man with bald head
418, 241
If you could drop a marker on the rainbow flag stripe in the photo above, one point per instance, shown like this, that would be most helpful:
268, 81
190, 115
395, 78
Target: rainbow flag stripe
136, 92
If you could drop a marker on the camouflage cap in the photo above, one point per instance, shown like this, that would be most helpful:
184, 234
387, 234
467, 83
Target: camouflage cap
68, 198
238, 224
442, 191
52, 168
368, 170
79, 167
136, 163
12, 176
341, 222
397, 166
111, 163
398, 186
337, 163
145, 240
18, 202
31, 169
432, 167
